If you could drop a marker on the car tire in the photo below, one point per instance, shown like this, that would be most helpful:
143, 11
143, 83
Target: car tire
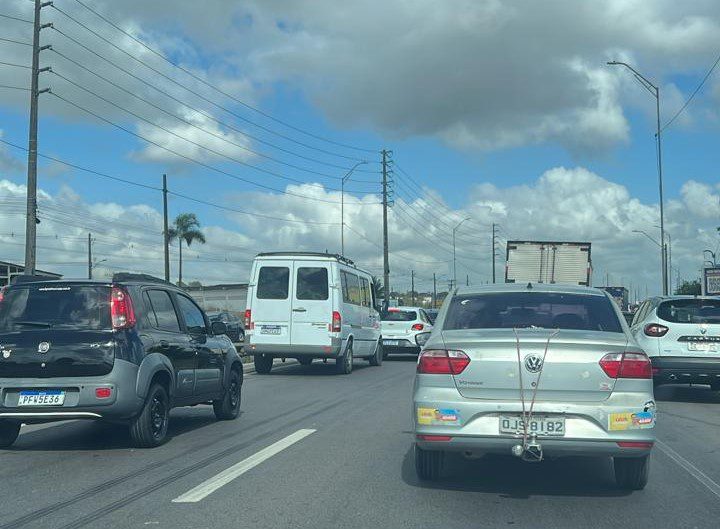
344, 363
631, 473
378, 356
263, 364
304, 361
715, 386
9, 431
149, 428
228, 407
428, 464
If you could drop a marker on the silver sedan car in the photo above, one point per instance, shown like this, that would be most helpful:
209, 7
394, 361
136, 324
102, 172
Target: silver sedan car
535, 371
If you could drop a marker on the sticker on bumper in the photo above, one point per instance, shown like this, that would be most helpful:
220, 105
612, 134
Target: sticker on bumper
434, 416
631, 421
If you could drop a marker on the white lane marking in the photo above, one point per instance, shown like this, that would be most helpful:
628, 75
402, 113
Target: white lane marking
694, 471
226, 476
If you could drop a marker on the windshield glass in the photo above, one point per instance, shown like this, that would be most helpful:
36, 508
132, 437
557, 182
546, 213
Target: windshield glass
56, 306
690, 311
399, 315
532, 309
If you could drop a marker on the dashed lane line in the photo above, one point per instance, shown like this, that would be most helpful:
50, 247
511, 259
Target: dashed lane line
694, 471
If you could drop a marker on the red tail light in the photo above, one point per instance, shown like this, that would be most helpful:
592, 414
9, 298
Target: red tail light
434, 438
103, 393
121, 309
2, 293
442, 362
634, 444
248, 320
418, 327
336, 325
626, 365
656, 330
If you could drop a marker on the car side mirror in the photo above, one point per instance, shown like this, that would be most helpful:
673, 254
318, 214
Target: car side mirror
218, 328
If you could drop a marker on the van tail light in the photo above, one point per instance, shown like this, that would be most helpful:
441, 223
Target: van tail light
336, 324
656, 330
626, 365
418, 327
103, 393
249, 325
121, 309
442, 362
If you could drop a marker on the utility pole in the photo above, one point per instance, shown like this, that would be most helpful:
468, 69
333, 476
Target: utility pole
386, 259
434, 291
166, 239
412, 286
31, 219
494, 251
90, 267
467, 280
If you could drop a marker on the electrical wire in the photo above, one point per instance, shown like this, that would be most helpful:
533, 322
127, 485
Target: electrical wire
18, 19
3, 39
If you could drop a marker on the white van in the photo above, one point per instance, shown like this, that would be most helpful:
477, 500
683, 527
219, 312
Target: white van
311, 305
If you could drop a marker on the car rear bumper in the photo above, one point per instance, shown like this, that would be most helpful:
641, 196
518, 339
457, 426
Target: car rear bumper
296, 351
685, 370
400, 345
80, 399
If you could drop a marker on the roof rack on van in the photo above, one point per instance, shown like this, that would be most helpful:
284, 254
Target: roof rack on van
339, 257
120, 277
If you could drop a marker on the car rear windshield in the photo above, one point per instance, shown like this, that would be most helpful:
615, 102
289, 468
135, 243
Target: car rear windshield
399, 315
532, 309
690, 311
55, 306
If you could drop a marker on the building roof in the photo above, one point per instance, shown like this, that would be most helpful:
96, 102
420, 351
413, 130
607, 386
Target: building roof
39, 272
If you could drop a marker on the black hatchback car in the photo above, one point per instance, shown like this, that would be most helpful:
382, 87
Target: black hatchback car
124, 351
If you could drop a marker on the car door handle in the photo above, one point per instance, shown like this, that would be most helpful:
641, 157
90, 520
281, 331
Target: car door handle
164, 344
300, 310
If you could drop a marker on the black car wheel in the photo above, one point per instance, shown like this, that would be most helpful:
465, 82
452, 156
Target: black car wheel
378, 356
344, 363
228, 407
149, 428
9, 431
428, 464
631, 473
263, 364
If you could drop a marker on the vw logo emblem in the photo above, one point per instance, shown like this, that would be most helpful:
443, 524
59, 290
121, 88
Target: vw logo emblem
533, 363
43, 347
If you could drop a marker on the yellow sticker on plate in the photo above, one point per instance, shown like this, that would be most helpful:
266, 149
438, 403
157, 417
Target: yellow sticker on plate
425, 415
631, 421
619, 421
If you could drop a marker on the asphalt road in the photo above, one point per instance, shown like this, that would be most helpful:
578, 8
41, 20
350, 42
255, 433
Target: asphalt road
313, 449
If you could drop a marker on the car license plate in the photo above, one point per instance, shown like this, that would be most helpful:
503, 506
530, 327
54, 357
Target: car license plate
48, 397
703, 346
513, 424
270, 329
391, 342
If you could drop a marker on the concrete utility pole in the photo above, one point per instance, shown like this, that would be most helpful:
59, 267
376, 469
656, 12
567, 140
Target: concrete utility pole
467, 280
494, 255
453, 241
434, 291
412, 286
31, 219
166, 239
90, 266
386, 259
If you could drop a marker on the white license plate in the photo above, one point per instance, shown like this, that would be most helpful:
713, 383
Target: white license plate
41, 398
270, 329
703, 346
391, 342
513, 424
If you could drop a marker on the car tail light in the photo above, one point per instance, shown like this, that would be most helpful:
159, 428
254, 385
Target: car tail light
656, 330
2, 293
103, 393
121, 309
336, 325
418, 327
249, 325
626, 365
434, 438
634, 444
442, 362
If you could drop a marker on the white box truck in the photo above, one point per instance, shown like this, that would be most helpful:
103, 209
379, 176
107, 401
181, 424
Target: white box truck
566, 263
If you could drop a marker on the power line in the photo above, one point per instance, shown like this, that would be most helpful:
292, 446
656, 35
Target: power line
197, 94
203, 81
18, 19
16, 41
15, 87
25, 66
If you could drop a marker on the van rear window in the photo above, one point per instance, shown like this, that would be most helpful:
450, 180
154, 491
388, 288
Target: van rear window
273, 282
312, 283
55, 306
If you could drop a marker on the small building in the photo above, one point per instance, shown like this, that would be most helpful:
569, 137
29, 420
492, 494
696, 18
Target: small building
10, 270
230, 297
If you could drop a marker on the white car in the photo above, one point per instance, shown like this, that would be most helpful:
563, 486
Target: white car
681, 335
308, 305
405, 330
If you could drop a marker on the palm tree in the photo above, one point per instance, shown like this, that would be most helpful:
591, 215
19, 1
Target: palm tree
185, 228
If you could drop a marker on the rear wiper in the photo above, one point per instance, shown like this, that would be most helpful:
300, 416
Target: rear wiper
34, 323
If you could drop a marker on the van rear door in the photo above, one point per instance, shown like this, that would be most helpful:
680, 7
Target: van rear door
312, 304
271, 304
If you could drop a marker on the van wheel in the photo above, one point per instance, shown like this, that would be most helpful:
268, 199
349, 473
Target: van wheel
263, 364
378, 356
9, 431
305, 361
344, 364
428, 464
149, 429
631, 473
228, 407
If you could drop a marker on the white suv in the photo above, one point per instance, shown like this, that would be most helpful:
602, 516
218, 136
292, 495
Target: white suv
681, 335
404, 330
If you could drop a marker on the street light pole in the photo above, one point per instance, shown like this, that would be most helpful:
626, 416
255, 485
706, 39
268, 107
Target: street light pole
454, 259
342, 205
655, 91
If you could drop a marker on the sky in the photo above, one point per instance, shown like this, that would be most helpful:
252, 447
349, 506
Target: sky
498, 111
